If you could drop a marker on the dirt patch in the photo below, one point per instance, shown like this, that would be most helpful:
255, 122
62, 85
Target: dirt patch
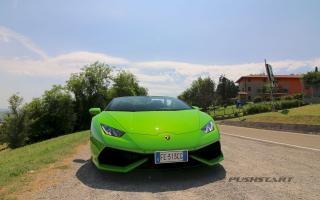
46, 177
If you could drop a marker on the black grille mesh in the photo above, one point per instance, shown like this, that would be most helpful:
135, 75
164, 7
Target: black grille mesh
117, 157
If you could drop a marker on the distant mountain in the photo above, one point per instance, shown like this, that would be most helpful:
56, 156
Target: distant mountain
4, 110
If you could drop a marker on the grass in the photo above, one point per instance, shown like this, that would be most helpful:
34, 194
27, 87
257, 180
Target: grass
309, 114
18, 162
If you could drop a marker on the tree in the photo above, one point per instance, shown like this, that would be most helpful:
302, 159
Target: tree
90, 89
13, 130
312, 80
201, 93
50, 116
126, 84
64, 109
226, 90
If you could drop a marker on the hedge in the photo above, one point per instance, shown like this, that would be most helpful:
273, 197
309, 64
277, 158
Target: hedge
267, 107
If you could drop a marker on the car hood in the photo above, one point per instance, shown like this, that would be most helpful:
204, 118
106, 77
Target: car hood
156, 122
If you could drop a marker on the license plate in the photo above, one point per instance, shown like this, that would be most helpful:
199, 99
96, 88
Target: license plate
170, 156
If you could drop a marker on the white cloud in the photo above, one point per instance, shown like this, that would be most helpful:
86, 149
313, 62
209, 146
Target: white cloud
191, 71
62, 65
160, 77
6, 35
170, 77
86, 57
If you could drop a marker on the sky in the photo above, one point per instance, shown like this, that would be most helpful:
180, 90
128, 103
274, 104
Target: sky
167, 44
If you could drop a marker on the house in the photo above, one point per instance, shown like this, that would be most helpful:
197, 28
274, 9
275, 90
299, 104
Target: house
257, 85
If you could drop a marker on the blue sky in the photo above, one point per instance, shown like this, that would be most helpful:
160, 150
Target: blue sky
167, 44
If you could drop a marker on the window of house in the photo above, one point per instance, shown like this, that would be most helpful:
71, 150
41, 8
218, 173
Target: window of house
249, 89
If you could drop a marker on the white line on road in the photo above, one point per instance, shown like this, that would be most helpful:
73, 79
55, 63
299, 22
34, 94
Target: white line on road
273, 142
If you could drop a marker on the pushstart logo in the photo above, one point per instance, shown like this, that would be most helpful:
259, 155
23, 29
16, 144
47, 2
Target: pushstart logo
257, 179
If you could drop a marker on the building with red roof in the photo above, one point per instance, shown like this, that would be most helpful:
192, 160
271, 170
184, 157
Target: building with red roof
256, 85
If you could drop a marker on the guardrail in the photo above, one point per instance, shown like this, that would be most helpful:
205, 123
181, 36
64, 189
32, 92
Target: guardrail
299, 128
227, 113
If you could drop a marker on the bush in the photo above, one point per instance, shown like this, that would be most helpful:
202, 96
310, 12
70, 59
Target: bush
285, 111
298, 96
267, 107
267, 99
288, 97
257, 99
258, 108
286, 104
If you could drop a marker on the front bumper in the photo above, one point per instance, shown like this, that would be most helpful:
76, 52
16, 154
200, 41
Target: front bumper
111, 159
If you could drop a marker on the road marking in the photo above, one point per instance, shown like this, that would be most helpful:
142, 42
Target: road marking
273, 142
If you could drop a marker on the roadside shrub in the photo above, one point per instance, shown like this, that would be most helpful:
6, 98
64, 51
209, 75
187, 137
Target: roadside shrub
288, 97
257, 99
258, 108
286, 104
267, 98
298, 96
277, 105
267, 107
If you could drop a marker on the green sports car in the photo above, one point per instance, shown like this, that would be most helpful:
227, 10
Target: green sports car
153, 131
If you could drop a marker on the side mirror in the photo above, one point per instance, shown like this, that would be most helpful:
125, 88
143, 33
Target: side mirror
94, 111
196, 107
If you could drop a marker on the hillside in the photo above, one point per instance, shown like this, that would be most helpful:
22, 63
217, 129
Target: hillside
17, 163
309, 114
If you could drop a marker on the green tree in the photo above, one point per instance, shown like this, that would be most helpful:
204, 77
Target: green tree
226, 90
90, 89
126, 84
13, 130
50, 116
312, 80
201, 93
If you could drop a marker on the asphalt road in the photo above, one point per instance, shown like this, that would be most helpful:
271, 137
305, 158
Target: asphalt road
244, 158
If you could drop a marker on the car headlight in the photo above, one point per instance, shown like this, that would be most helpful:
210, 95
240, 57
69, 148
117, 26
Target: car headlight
111, 131
208, 127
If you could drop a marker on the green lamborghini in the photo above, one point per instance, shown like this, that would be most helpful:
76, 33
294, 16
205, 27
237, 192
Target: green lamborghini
152, 131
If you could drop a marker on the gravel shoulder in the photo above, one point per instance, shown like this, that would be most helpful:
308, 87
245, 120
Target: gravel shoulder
77, 178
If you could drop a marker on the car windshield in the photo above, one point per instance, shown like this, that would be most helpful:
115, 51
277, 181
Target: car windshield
146, 103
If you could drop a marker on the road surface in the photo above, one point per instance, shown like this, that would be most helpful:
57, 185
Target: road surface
248, 156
